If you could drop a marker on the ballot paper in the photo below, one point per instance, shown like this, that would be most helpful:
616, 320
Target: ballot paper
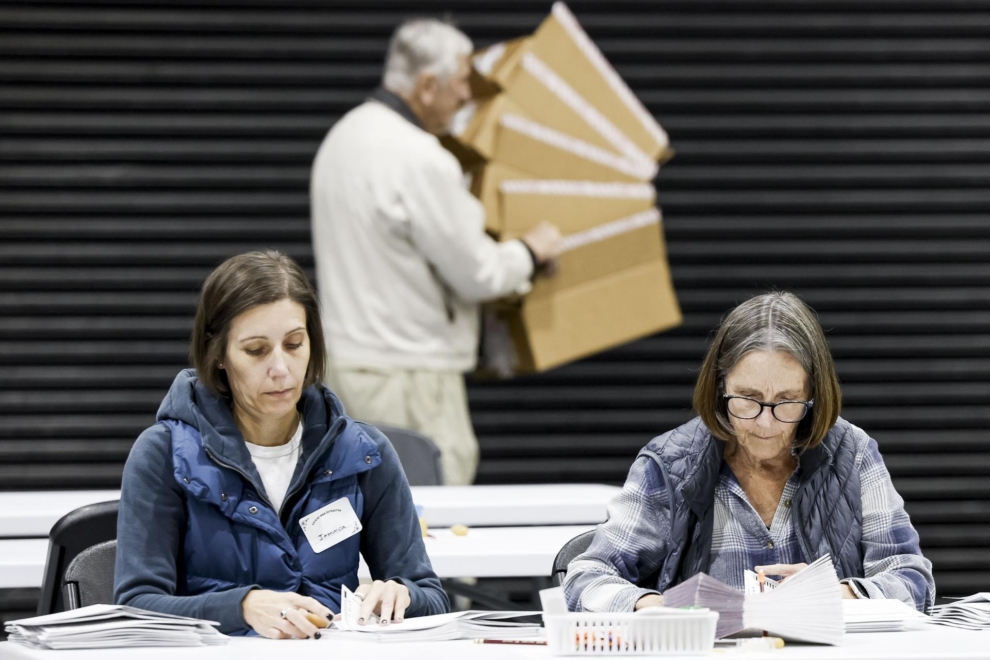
438, 627
111, 626
880, 615
969, 613
806, 607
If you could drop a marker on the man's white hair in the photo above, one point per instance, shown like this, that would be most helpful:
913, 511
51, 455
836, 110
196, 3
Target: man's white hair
423, 46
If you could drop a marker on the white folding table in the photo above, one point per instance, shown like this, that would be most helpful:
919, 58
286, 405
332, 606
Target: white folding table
484, 552
30, 514
930, 643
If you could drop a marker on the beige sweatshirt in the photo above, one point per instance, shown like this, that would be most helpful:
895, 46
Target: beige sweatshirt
401, 253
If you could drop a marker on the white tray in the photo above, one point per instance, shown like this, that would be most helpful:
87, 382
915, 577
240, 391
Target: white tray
673, 632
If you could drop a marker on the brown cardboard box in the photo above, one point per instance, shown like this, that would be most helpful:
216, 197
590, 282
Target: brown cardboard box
483, 62
550, 100
612, 286
603, 256
562, 46
500, 130
514, 201
595, 316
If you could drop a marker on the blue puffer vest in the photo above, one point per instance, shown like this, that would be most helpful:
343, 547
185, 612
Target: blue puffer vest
233, 537
827, 505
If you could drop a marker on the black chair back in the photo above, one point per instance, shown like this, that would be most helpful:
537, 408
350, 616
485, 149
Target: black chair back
419, 456
76, 532
571, 549
89, 577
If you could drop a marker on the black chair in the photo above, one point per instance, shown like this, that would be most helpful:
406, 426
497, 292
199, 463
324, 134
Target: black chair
571, 549
89, 577
76, 532
420, 458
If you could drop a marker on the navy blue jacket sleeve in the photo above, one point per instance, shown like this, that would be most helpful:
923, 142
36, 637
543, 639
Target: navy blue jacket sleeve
149, 539
391, 541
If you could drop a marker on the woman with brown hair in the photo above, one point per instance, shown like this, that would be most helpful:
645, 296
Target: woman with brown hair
767, 476
250, 499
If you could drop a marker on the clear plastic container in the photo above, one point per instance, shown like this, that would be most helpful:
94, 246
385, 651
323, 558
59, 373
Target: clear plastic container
664, 632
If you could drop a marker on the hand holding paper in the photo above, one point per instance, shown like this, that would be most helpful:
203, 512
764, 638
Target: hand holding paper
381, 602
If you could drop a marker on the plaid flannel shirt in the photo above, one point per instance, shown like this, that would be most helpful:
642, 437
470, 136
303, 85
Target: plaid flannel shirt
634, 541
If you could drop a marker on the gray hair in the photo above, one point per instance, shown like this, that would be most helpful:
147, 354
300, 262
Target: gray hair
777, 321
423, 46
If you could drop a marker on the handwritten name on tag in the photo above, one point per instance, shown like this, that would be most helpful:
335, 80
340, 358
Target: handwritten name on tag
330, 525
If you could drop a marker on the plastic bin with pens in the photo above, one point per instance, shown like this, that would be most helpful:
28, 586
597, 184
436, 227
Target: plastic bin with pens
658, 632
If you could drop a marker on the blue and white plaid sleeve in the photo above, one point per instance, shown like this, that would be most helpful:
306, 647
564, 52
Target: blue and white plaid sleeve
629, 546
892, 561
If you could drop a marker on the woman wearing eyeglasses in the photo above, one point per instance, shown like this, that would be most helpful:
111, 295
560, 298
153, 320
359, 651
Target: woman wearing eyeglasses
767, 476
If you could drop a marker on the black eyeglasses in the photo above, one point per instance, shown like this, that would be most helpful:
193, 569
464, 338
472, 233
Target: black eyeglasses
789, 412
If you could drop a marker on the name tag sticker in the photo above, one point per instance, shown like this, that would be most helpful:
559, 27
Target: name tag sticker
330, 525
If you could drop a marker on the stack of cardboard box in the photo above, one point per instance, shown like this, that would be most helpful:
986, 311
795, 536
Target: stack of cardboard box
555, 134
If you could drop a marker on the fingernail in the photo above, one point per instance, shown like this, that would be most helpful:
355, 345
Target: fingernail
384, 622
317, 635
398, 619
361, 621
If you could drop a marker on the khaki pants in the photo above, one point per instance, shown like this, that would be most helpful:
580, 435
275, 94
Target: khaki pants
433, 403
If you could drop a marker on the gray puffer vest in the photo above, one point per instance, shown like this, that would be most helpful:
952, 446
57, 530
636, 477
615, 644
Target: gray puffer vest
827, 506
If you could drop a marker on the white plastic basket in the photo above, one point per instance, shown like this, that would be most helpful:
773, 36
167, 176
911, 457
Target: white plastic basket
631, 633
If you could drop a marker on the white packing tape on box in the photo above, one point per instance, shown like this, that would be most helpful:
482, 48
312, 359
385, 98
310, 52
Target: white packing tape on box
485, 62
571, 188
610, 229
594, 55
580, 148
591, 116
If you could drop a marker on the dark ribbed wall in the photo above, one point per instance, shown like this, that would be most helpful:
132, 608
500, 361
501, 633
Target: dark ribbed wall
839, 149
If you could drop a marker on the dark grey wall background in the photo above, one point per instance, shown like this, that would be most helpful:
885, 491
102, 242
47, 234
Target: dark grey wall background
836, 148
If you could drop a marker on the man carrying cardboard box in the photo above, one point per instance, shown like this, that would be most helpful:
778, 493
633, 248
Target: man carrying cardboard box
401, 253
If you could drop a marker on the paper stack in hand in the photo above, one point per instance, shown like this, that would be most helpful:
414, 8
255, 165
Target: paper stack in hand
438, 627
970, 613
111, 626
805, 608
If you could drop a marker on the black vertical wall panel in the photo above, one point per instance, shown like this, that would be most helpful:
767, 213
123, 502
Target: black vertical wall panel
836, 148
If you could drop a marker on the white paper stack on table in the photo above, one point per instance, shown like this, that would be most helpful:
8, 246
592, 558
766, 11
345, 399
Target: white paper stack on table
805, 608
880, 615
970, 613
111, 626
438, 627
555, 134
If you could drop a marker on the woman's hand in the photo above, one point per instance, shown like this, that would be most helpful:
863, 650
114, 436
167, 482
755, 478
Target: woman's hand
789, 570
783, 570
283, 614
388, 600
649, 600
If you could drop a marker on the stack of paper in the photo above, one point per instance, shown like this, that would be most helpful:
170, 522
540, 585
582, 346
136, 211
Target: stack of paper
970, 613
439, 627
806, 607
879, 615
702, 590
111, 626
